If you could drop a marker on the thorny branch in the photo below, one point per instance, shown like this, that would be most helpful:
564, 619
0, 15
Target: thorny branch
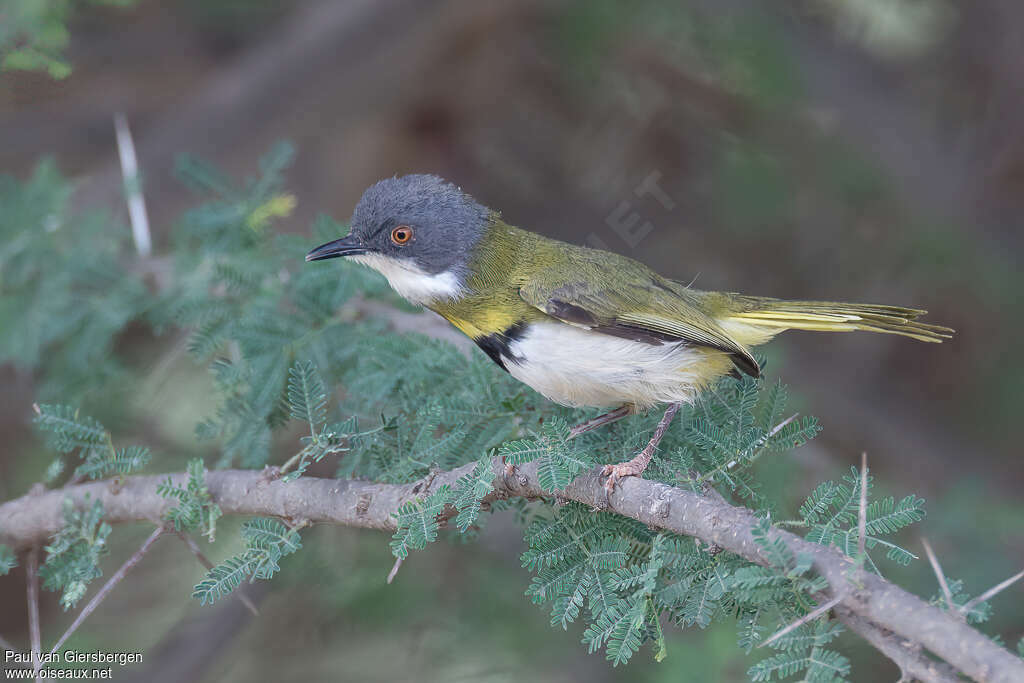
901, 625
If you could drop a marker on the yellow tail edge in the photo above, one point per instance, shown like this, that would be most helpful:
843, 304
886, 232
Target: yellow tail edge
831, 316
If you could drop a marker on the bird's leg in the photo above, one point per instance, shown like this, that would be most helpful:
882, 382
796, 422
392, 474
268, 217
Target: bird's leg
510, 469
585, 426
636, 466
601, 420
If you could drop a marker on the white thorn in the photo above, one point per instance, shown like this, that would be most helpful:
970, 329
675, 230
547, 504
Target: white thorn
130, 172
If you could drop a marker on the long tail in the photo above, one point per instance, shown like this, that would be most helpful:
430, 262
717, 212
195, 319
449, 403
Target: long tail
775, 315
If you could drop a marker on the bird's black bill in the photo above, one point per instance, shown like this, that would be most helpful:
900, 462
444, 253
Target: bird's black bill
346, 246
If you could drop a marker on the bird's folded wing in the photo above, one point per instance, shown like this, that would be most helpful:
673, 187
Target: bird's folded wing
656, 314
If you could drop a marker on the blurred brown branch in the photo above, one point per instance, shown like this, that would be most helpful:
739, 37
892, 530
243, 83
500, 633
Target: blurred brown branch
877, 609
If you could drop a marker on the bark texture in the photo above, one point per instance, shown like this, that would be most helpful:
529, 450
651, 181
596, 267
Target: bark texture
899, 624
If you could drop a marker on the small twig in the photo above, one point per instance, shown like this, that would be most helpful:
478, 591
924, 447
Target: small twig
778, 428
290, 463
862, 521
992, 592
775, 430
395, 568
810, 616
109, 586
191, 544
35, 635
937, 568
130, 171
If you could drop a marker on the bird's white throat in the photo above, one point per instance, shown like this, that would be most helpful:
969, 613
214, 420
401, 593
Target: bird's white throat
410, 281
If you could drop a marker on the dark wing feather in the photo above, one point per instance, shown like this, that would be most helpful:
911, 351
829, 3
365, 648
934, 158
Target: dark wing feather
653, 315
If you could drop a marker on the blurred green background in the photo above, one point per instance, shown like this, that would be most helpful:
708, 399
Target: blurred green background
830, 149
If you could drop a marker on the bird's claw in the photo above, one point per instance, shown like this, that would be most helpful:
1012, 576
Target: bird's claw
617, 472
510, 473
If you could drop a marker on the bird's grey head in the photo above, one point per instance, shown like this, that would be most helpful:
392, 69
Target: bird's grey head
418, 230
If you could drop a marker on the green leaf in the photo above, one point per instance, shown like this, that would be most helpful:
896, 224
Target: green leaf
782, 665
54, 470
195, 510
266, 532
795, 434
267, 541
73, 555
758, 585
826, 665
703, 599
417, 522
749, 631
815, 634
224, 578
627, 635
774, 403
469, 490
886, 516
68, 429
621, 628
776, 552
100, 464
819, 502
553, 474
559, 459
307, 399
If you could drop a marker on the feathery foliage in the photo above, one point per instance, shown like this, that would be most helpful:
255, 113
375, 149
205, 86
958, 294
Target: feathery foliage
469, 490
34, 35
67, 430
978, 612
306, 396
417, 523
195, 510
267, 541
64, 294
73, 556
832, 512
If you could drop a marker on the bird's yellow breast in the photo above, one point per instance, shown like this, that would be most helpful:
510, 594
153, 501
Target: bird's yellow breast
482, 315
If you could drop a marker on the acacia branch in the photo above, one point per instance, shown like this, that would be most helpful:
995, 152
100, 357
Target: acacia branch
913, 664
879, 604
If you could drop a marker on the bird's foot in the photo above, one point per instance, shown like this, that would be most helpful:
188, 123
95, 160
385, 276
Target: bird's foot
636, 466
630, 468
510, 470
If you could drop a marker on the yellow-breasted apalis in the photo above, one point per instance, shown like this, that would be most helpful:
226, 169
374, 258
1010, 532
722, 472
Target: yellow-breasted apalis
583, 327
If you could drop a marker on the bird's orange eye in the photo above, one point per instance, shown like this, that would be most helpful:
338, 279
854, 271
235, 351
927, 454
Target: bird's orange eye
401, 234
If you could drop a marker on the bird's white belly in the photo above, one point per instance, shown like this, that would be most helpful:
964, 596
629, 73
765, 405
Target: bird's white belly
576, 367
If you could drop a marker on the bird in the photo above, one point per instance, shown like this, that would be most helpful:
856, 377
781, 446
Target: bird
583, 327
